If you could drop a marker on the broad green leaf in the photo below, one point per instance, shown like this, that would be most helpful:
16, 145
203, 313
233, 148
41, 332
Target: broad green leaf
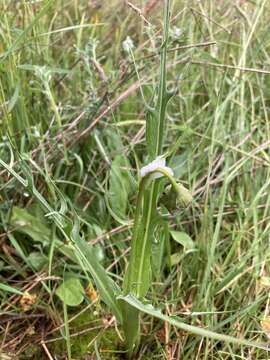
179, 164
99, 252
119, 186
183, 239
175, 259
37, 260
114, 140
71, 292
175, 321
30, 225
26, 223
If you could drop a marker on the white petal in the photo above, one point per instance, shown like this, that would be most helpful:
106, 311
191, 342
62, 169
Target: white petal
159, 162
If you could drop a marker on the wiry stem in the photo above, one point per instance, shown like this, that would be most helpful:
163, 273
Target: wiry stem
163, 95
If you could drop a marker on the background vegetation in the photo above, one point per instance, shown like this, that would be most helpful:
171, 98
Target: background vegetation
73, 125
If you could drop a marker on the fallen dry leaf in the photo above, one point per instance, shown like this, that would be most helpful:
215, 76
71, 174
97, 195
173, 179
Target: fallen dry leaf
91, 292
27, 300
265, 324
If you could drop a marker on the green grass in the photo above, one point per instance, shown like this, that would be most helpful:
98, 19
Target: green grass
72, 124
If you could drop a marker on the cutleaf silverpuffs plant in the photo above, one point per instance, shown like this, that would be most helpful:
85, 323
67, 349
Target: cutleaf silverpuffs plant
138, 276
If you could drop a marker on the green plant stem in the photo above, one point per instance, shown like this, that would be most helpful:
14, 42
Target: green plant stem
149, 195
163, 95
138, 278
67, 334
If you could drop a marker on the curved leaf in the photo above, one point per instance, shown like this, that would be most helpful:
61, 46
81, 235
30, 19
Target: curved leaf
175, 321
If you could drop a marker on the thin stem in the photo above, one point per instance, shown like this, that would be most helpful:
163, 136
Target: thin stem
162, 91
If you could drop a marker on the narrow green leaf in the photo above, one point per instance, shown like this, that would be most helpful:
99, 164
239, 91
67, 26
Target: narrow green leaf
13, 173
107, 288
158, 248
151, 132
12, 102
175, 321
138, 278
10, 289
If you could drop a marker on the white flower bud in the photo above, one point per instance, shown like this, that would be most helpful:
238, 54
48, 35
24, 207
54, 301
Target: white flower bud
128, 44
158, 163
176, 32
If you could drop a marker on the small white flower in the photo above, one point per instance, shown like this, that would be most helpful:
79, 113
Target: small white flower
128, 44
158, 163
176, 32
